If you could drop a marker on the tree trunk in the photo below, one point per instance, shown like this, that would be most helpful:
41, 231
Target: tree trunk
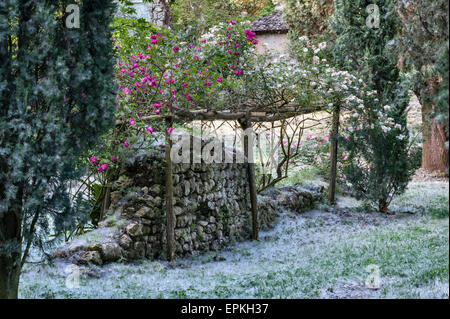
160, 13
435, 156
383, 206
9, 278
11, 248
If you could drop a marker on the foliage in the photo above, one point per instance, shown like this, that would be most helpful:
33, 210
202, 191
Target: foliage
267, 9
252, 8
56, 97
198, 16
424, 32
441, 98
307, 17
219, 71
159, 72
378, 137
316, 152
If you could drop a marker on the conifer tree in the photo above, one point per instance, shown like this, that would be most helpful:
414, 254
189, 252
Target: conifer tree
57, 96
367, 44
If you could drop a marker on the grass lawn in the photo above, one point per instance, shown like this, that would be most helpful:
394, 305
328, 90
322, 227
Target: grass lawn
319, 254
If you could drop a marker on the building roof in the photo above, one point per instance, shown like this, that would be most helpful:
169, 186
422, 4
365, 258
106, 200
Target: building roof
272, 23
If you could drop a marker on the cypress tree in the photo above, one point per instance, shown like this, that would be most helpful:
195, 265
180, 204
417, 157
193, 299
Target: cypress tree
366, 43
57, 96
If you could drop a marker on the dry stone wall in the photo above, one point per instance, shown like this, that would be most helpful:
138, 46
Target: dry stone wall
211, 206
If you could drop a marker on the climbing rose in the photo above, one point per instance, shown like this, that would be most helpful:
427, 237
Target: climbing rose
219, 79
150, 129
170, 130
176, 49
113, 159
102, 167
132, 122
93, 160
125, 144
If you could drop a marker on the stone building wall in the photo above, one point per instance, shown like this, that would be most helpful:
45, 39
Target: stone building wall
278, 42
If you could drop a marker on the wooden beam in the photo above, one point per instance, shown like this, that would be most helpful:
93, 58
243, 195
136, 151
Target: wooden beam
205, 115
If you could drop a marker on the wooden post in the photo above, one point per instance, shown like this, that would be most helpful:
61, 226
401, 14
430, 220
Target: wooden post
170, 217
333, 154
251, 181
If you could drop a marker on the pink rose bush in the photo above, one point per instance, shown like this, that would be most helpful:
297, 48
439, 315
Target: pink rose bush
157, 72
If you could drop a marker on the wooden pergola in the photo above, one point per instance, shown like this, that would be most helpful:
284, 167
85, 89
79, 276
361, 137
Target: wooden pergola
245, 118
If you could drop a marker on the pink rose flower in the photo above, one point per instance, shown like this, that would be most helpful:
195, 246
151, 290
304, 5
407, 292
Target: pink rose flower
93, 160
176, 48
132, 122
125, 144
150, 129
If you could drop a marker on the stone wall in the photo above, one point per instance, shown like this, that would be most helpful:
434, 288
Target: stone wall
211, 206
209, 201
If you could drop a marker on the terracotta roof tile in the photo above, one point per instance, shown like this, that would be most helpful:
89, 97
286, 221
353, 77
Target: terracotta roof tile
270, 23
